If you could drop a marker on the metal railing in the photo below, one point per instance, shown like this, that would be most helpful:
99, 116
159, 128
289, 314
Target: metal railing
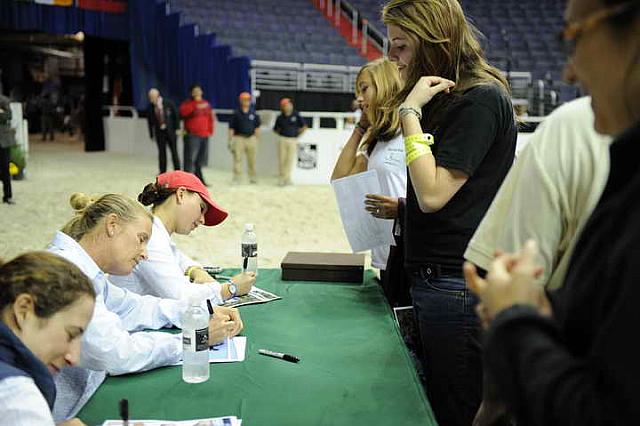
267, 75
359, 25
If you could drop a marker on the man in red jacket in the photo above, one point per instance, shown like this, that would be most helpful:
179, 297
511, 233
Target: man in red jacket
199, 121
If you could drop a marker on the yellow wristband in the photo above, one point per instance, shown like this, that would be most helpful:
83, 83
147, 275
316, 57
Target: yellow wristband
426, 139
415, 150
189, 270
415, 146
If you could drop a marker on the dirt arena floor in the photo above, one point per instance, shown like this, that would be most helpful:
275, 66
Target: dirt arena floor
295, 218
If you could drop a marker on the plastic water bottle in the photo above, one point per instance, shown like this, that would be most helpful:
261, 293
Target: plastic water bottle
195, 342
250, 248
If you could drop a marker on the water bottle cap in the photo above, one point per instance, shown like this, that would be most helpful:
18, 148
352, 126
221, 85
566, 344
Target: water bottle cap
248, 226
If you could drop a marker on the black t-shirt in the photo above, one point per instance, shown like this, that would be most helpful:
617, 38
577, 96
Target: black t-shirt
288, 126
478, 137
244, 123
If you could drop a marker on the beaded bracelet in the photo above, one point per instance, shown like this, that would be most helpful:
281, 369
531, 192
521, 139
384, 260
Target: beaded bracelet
409, 110
361, 130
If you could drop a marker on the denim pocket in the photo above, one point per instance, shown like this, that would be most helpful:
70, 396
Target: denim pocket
451, 286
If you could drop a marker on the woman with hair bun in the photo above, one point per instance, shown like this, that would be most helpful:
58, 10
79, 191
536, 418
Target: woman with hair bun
46, 303
109, 235
180, 203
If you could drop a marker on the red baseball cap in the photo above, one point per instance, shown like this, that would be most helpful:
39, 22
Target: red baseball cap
245, 95
176, 179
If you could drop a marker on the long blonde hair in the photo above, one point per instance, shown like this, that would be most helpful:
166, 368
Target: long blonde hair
385, 121
446, 45
90, 211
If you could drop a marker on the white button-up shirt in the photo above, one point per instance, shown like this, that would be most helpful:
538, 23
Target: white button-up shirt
108, 344
163, 273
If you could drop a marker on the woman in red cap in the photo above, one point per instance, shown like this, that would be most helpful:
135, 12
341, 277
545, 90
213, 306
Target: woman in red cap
180, 203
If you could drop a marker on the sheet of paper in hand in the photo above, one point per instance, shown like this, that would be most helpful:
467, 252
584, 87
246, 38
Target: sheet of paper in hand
364, 231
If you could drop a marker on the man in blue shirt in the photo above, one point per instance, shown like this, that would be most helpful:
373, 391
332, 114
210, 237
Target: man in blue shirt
289, 125
244, 130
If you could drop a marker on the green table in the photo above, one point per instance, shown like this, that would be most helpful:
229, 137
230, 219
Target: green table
355, 369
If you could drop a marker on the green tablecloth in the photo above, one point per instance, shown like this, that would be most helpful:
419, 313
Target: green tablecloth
355, 369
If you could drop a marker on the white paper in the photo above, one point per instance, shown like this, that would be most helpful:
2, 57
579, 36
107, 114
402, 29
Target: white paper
234, 352
364, 231
218, 421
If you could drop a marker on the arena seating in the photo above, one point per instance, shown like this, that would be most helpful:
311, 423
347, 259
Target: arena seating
520, 35
276, 30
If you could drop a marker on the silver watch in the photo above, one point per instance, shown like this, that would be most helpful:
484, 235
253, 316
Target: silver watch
233, 289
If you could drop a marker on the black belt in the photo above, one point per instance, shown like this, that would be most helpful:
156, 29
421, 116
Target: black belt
434, 270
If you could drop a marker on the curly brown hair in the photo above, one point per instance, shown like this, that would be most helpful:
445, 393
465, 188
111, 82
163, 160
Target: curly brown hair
52, 281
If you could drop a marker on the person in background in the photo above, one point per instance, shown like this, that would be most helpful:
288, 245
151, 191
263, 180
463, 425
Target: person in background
376, 144
48, 114
570, 359
109, 235
244, 131
163, 122
460, 139
548, 195
7, 140
199, 122
46, 303
289, 125
181, 203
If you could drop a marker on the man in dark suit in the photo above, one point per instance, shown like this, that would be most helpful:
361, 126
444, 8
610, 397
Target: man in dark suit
163, 121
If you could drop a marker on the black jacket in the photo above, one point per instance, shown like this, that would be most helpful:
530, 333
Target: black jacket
171, 118
7, 134
582, 367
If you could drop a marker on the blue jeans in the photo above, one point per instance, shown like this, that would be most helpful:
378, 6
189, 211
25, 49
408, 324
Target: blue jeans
195, 154
451, 350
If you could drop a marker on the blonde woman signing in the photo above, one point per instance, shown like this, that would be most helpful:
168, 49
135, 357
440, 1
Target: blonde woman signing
109, 236
376, 144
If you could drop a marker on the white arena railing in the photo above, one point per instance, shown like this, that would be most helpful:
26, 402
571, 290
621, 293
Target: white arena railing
271, 75
127, 133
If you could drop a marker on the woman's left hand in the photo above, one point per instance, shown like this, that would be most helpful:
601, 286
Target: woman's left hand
510, 281
381, 207
425, 89
234, 315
